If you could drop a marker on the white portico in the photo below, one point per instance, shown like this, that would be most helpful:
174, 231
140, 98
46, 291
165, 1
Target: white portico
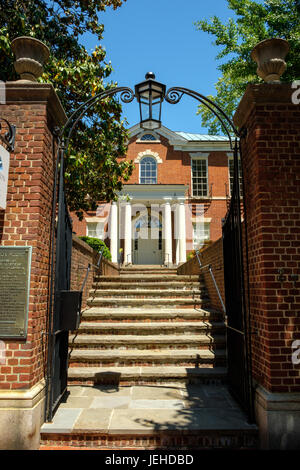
141, 223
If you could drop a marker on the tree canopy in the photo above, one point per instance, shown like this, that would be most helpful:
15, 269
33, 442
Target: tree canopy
93, 172
254, 22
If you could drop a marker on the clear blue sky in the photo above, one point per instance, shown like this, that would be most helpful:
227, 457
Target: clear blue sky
160, 36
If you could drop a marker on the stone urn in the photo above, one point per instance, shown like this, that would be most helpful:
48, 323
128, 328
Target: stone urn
31, 55
269, 56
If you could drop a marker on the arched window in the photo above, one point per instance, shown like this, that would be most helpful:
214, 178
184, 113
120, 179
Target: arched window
148, 171
148, 137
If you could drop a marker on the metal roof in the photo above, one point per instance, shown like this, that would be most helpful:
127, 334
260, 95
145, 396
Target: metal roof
202, 137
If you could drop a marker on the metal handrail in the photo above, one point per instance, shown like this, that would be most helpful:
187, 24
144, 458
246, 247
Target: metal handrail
91, 265
213, 278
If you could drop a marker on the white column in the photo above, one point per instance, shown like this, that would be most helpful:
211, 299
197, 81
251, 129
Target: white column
182, 232
168, 233
114, 232
128, 234
176, 226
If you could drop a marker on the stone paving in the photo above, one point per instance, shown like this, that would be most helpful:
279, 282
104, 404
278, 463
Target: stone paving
147, 408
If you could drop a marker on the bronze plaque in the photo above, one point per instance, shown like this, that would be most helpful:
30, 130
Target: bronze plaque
14, 290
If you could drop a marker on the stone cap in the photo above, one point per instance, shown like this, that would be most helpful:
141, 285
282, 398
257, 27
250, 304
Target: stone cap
262, 94
36, 93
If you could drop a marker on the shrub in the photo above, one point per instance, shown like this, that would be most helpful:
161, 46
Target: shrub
97, 245
191, 255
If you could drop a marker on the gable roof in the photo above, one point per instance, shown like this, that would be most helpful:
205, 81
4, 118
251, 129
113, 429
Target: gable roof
186, 140
202, 137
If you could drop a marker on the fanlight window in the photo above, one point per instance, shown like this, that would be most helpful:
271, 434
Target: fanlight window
148, 137
148, 171
148, 221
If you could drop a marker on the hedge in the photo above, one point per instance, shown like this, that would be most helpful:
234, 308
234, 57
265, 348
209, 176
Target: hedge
97, 245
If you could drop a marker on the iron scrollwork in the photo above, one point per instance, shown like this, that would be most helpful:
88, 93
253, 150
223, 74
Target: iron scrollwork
61, 255
174, 95
8, 139
126, 96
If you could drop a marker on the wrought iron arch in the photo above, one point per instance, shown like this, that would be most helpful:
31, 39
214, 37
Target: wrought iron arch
235, 249
174, 95
238, 324
61, 246
8, 138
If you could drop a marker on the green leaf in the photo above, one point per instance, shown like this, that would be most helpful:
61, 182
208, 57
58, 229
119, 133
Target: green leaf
74, 72
254, 22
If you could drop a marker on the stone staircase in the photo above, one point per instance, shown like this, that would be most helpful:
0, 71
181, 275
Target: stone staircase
149, 325
147, 370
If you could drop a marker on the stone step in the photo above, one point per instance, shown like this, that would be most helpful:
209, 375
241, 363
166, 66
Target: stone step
148, 278
184, 285
148, 269
144, 375
158, 272
147, 342
150, 328
146, 357
156, 416
135, 314
146, 302
143, 293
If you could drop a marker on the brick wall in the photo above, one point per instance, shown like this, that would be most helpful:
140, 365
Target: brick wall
82, 256
35, 110
212, 255
190, 267
109, 269
271, 166
176, 169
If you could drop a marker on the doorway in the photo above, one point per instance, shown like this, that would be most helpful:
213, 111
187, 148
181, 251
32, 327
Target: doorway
147, 243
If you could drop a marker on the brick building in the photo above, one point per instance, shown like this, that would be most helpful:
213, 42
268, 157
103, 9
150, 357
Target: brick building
174, 201
186, 180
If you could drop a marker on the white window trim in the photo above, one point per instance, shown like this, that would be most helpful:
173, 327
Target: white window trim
199, 156
155, 135
204, 222
140, 169
230, 158
148, 153
95, 220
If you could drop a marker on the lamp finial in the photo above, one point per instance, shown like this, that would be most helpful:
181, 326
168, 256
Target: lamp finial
150, 75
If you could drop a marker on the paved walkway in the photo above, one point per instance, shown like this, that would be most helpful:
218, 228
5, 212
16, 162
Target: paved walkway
147, 409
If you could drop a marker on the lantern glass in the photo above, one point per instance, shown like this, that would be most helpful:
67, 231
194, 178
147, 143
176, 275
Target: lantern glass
150, 95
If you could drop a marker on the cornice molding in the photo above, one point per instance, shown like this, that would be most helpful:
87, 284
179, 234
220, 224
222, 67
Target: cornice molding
36, 93
262, 94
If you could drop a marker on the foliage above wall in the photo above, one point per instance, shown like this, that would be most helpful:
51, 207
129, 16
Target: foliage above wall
236, 38
97, 245
92, 171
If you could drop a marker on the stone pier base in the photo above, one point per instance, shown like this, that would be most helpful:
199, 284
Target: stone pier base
21, 417
278, 419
